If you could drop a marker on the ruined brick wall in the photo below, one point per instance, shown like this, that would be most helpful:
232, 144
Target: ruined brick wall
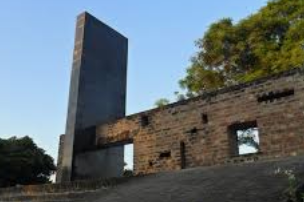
197, 132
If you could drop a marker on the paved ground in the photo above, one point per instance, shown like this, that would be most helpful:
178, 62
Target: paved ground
252, 182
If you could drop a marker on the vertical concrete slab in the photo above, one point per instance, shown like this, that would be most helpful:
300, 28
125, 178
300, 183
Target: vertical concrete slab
106, 163
97, 88
59, 158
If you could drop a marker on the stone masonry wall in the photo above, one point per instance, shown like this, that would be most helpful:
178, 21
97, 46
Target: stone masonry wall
197, 132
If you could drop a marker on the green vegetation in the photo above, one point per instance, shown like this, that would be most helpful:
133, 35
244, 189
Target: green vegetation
267, 42
249, 137
23, 162
294, 190
161, 102
128, 173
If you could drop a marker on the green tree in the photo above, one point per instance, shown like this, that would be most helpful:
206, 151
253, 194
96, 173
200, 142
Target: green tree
161, 102
267, 42
249, 137
23, 162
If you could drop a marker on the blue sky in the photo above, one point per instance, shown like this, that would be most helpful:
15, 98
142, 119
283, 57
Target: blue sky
37, 37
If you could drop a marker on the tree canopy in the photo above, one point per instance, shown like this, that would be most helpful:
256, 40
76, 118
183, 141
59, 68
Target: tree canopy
267, 42
161, 102
23, 162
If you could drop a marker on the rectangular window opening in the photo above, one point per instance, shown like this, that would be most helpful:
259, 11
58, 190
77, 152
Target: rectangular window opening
183, 155
128, 159
205, 118
244, 138
165, 154
271, 96
144, 120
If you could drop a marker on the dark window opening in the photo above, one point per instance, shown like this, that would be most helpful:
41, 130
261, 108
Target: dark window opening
144, 121
165, 154
244, 138
150, 163
204, 118
193, 131
183, 155
271, 96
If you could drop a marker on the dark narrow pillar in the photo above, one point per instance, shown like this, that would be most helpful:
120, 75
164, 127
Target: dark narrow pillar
59, 158
97, 88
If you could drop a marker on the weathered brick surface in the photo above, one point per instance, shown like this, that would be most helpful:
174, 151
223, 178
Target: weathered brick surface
280, 122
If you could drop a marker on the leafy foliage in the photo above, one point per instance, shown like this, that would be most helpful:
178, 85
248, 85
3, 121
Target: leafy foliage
23, 162
295, 189
128, 173
249, 137
264, 43
161, 102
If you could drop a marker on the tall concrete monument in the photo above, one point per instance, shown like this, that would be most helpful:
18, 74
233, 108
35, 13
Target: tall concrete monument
97, 95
